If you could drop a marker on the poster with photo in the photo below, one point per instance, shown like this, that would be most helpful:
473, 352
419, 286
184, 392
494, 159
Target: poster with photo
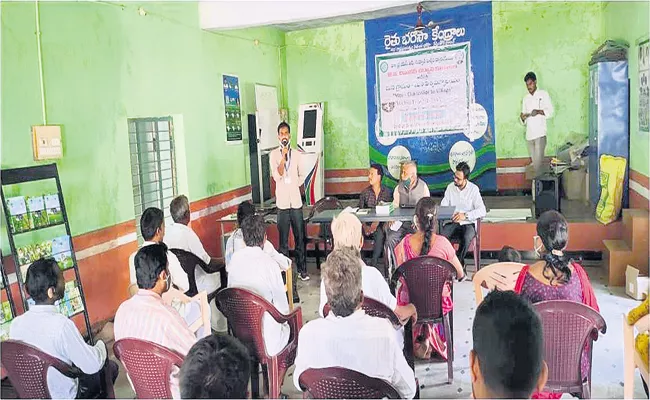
18, 217
232, 103
61, 251
53, 207
36, 210
644, 90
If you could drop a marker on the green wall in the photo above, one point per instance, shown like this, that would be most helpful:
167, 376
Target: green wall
329, 64
628, 20
104, 63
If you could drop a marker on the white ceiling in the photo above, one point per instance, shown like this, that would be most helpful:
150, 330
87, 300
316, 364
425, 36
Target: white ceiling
297, 15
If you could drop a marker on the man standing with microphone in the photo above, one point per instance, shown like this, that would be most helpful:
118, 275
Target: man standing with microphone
288, 176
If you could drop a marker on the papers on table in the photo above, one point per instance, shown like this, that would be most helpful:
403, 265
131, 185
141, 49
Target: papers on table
352, 210
508, 214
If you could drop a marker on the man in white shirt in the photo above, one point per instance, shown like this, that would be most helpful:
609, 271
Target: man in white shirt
180, 236
536, 108
346, 232
45, 328
466, 197
252, 269
152, 227
288, 175
348, 337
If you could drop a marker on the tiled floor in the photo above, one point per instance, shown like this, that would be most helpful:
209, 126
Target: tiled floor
607, 375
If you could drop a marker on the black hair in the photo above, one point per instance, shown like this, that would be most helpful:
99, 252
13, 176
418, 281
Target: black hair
529, 76
426, 211
464, 168
509, 343
378, 168
253, 229
149, 262
151, 220
553, 230
283, 124
42, 275
509, 254
216, 367
244, 209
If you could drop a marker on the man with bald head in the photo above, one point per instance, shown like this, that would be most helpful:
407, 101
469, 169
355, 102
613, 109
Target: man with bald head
408, 192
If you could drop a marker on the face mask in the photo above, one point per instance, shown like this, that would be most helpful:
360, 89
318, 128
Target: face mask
407, 183
537, 249
284, 142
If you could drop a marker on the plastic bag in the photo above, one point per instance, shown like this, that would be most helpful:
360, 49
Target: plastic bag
612, 177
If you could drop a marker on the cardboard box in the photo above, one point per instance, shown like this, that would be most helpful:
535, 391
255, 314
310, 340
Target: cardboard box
574, 182
636, 286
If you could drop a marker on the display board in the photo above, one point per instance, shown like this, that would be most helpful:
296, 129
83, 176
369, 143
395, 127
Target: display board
431, 94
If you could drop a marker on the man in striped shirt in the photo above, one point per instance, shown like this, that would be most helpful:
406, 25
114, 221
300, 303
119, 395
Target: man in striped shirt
144, 316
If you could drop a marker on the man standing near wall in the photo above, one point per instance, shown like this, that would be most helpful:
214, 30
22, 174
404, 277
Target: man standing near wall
288, 176
536, 108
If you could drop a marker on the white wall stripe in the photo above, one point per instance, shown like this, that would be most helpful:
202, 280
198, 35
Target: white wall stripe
221, 206
511, 170
640, 189
347, 179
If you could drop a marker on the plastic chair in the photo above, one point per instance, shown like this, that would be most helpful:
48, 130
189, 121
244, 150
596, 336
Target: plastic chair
27, 368
425, 278
342, 383
568, 327
201, 298
324, 235
244, 310
632, 358
373, 308
189, 261
148, 366
498, 276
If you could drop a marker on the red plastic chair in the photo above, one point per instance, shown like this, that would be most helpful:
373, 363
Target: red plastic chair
149, 366
244, 310
373, 308
342, 383
324, 236
27, 369
425, 278
568, 327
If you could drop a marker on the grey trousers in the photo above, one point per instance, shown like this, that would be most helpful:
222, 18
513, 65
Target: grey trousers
536, 150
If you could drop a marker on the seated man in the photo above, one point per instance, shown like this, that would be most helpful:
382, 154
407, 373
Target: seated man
408, 192
152, 227
349, 338
251, 268
346, 233
508, 356
216, 367
180, 236
45, 328
466, 197
144, 316
373, 194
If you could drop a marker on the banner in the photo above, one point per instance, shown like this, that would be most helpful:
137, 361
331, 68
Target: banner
431, 94
644, 91
232, 104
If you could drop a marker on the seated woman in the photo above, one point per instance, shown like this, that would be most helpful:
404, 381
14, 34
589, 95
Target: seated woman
555, 277
426, 242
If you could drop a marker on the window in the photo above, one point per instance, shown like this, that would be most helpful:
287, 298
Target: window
153, 170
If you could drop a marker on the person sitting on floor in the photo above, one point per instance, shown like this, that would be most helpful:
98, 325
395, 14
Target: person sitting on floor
346, 232
251, 268
425, 242
180, 236
509, 254
556, 277
146, 317
348, 337
507, 359
216, 367
152, 227
45, 328
369, 198
466, 197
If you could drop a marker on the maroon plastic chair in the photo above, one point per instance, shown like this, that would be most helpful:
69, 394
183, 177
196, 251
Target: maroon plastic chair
425, 278
373, 308
568, 327
244, 310
149, 366
27, 368
324, 235
342, 383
